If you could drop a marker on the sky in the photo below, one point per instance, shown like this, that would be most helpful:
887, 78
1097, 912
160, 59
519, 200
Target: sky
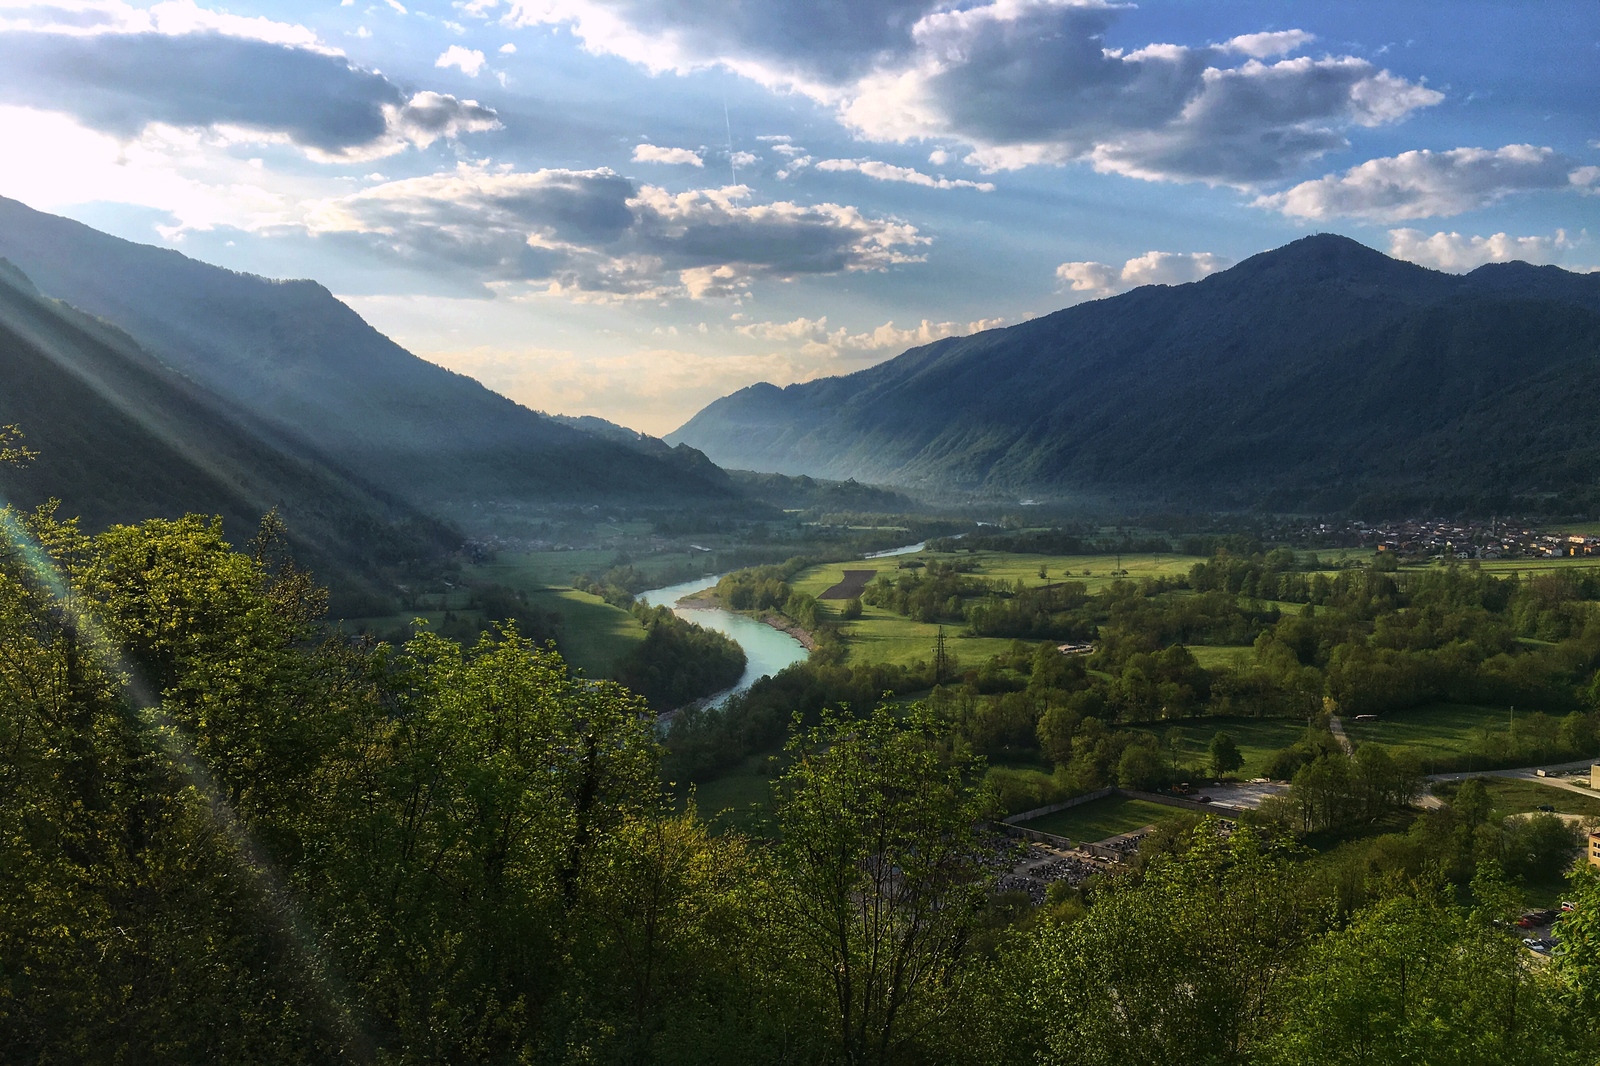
628, 208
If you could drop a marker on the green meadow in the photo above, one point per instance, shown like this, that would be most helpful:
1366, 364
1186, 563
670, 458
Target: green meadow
1103, 818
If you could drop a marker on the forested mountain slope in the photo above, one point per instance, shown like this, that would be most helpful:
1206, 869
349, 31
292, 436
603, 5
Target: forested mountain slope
121, 438
1320, 375
291, 353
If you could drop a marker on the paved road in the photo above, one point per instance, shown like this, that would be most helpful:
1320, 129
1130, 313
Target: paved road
1527, 773
1336, 727
1522, 773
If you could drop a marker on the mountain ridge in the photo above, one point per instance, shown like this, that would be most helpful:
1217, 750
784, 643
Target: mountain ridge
295, 356
121, 437
1296, 379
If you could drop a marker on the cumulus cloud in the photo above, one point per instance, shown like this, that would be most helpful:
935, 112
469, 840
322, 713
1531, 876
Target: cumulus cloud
879, 171
179, 66
1096, 280
1459, 253
595, 235
93, 18
1267, 45
469, 61
650, 153
820, 340
1019, 82
1427, 184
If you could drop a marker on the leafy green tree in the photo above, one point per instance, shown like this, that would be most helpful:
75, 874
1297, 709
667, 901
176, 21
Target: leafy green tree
1416, 979
1224, 755
11, 448
1578, 936
880, 860
1182, 967
1142, 766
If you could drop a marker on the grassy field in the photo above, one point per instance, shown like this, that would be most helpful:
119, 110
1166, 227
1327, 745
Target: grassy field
594, 634
740, 799
1104, 818
1436, 731
881, 636
1213, 656
1517, 796
529, 570
1259, 739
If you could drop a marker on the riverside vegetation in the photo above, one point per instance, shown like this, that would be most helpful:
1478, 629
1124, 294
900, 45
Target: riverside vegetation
227, 838
1372, 639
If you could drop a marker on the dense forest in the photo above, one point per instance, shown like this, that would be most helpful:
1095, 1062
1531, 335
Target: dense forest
232, 833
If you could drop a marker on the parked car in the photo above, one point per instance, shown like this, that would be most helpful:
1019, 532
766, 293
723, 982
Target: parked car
1547, 808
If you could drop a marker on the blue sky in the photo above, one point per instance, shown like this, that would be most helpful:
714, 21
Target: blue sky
630, 207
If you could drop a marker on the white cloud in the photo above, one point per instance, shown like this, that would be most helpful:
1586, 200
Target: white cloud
1427, 184
819, 339
744, 159
596, 236
794, 165
92, 18
1096, 280
122, 71
1019, 82
508, 49
1459, 253
186, 173
1267, 45
888, 172
469, 61
650, 153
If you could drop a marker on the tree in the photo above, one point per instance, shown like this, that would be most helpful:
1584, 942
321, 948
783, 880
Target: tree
1181, 967
1417, 979
11, 447
1578, 935
1224, 754
880, 860
1141, 765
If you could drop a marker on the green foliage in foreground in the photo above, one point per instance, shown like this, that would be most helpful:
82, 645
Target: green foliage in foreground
224, 841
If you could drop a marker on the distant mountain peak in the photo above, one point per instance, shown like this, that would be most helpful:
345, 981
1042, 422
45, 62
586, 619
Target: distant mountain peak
1311, 376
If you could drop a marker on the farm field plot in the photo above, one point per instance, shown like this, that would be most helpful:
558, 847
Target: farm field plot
1503, 567
1435, 731
1259, 739
1104, 818
852, 584
1009, 566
